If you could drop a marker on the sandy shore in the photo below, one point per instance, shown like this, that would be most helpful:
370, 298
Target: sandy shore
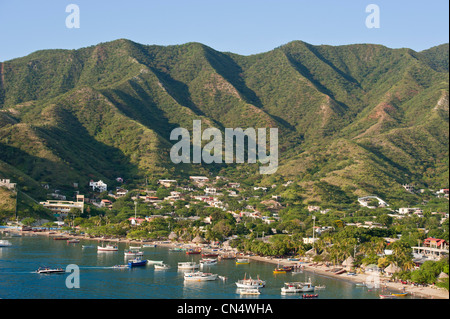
423, 292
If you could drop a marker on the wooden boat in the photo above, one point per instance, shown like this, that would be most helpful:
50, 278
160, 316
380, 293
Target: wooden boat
210, 255
60, 238
400, 295
340, 272
242, 261
193, 252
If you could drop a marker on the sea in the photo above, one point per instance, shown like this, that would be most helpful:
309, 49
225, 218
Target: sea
97, 279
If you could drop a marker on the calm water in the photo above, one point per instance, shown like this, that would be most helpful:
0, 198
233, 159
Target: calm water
18, 279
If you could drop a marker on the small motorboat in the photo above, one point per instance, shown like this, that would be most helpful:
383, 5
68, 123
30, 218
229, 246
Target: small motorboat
107, 248
161, 266
121, 267
242, 261
5, 243
208, 261
199, 276
48, 270
400, 295
148, 245
137, 263
133, 253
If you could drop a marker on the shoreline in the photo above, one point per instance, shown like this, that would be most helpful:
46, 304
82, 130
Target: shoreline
423, 292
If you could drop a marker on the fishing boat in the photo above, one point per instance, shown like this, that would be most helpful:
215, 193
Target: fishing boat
188, 265
5, 243
48, 270
161, 266
210, 255
133, 253
249, 292
388, 297
193, 252
137, 262
250, 283
242, 261
400, 295
296, 287
199, 276
154, 261
208, 261
319, 287
107, 248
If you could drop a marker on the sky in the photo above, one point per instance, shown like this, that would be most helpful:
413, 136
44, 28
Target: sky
245, 27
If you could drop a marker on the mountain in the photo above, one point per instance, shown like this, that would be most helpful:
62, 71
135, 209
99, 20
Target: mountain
363, 118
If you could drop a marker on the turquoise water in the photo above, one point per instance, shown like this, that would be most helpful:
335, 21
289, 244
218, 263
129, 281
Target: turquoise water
98, 280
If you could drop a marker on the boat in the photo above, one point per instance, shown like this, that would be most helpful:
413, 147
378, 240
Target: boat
48, 270
319, 287
60, 238
210, 255
388, 297
340, 272
242, 261
73, 241
134, 247
154, 261
137, 262
121, 267
296, 287
293, 259
400, 295
250, 283
360, 285
107, 248
249, 292
307, 296
193, 252
177, 249
5, 243
223, 278
208, 261
199, 276
227, 256
87, 246
161, 266
133, 253
187, 265
148, 245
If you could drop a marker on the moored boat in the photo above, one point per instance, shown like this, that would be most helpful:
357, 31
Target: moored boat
137, 262
388, 297
242, 261
208, 261
133, 253
188, 265
193, 252
107, 248
296, 287
161, 266
249, 292
208, 254
5, 243
250, 283
73, 241
199, 276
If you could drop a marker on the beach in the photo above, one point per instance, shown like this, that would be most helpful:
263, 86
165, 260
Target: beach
428, 292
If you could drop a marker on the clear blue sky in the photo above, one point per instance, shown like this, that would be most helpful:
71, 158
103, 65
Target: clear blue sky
240, 26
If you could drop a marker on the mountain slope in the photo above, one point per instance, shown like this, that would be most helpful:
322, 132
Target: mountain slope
363, 117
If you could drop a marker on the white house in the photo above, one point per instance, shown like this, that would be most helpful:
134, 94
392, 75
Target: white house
99, 186
7, 183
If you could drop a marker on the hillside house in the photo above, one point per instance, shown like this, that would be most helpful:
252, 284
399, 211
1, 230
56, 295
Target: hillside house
99, 186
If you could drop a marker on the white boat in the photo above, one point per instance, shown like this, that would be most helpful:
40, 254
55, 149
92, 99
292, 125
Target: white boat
242, 261
161, 266
121, 267
131, 253
87, 246
5, 243
47, 270
208, 261
296, 287
154, 261
148, 245
319, 287
107, 248
249, 292
250, 283
199, 276
188, 265
134, 247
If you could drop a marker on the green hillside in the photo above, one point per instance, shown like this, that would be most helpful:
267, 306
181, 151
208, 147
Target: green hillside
364, 118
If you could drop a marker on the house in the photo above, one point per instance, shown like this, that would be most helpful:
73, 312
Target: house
61, 209
258, 188
408, 188
210, 190
167, 182
7, 183
407, 210
234, 185
199, 179
310, 240
99, 186
136, 221
432, 249
120, 192
313, 208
